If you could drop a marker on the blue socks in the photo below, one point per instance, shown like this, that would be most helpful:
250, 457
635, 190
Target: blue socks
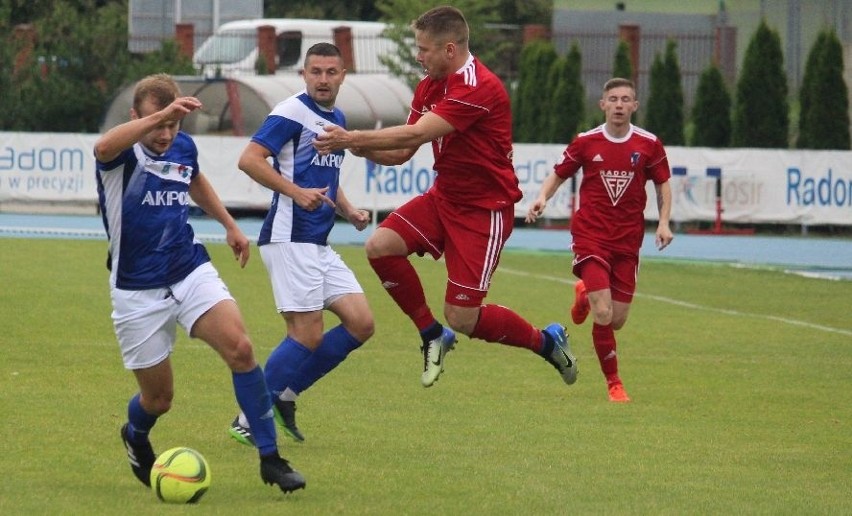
295, 366
283, 363
140, 421
253, 398
336, 345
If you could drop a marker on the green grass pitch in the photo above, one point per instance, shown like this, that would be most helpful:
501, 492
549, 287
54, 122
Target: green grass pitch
740, 381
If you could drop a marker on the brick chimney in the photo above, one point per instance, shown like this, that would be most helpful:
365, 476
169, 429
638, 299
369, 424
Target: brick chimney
343, 41
185, 37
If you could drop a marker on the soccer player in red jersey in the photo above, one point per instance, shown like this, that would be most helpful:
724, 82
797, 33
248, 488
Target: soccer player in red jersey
617, 159
468, 214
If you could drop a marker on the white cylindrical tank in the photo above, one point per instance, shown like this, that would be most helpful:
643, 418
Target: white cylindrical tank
367, 100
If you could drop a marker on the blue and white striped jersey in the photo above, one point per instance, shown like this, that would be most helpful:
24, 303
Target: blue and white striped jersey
287, 133
144, 202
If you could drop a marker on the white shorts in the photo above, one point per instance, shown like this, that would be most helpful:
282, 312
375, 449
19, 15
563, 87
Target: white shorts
146, 320
306, 277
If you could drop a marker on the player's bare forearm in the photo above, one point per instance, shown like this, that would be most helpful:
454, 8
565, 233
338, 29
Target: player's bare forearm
429, 127
123, 136
386, 157
205, 196
664, 235
253, 162
548, 188
358, 218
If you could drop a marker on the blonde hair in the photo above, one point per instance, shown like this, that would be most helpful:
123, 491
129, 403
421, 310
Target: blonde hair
160, 88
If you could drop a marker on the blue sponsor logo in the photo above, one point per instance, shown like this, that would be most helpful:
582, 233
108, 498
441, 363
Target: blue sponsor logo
407, 179
818, 191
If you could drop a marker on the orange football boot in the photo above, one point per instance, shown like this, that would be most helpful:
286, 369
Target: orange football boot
617, 394
580, 310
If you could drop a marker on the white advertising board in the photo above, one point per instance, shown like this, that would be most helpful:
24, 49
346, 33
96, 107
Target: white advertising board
758, 185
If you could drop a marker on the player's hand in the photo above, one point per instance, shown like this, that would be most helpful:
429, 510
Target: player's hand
181, 107
333, 138
312, 198
239, 245
535, 211
664, 236
360, 219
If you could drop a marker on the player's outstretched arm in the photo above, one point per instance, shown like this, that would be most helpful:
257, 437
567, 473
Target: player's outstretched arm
387, 158
412, 136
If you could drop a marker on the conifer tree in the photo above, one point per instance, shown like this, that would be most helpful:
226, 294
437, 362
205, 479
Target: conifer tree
711, 114
825, 122
531, 106
622, 66
568, 102
664, 114
807, 89
761, 117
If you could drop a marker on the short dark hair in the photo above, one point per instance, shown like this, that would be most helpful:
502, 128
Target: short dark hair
323, 49
444, 22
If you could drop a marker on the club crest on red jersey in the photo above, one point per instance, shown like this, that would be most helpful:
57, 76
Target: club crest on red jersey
616, 183
634, 159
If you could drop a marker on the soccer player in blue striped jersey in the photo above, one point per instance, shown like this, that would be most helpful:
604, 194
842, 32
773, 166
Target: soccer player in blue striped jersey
161, 276
307, 275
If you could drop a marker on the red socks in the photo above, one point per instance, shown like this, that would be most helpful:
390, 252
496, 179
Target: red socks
604, 340
503, 326
496, 323
400, 280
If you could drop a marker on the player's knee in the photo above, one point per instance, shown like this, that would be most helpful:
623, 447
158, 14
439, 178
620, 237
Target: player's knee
373, 249
159, 403
618, 322
240, 356
602, 314
363, 330
460, 321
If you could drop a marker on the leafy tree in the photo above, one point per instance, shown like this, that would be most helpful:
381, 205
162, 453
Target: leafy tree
761, 117
568, 102
665, 100
79, 60
622, 66
167, 59
711, 114
531, 107
824, 117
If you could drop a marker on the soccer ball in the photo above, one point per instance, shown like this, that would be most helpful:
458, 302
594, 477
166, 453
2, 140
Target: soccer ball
180, 475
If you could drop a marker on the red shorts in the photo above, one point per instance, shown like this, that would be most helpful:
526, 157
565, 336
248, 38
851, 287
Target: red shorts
600, 268
470, 239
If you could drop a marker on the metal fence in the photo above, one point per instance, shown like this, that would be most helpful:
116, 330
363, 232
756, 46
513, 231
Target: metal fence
597, 49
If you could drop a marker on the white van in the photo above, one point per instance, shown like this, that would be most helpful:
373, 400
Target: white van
232, 49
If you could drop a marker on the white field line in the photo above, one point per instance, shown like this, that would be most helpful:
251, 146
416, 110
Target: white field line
684, 304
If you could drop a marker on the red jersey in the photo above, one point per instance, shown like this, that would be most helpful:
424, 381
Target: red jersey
612, 191
474, 162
